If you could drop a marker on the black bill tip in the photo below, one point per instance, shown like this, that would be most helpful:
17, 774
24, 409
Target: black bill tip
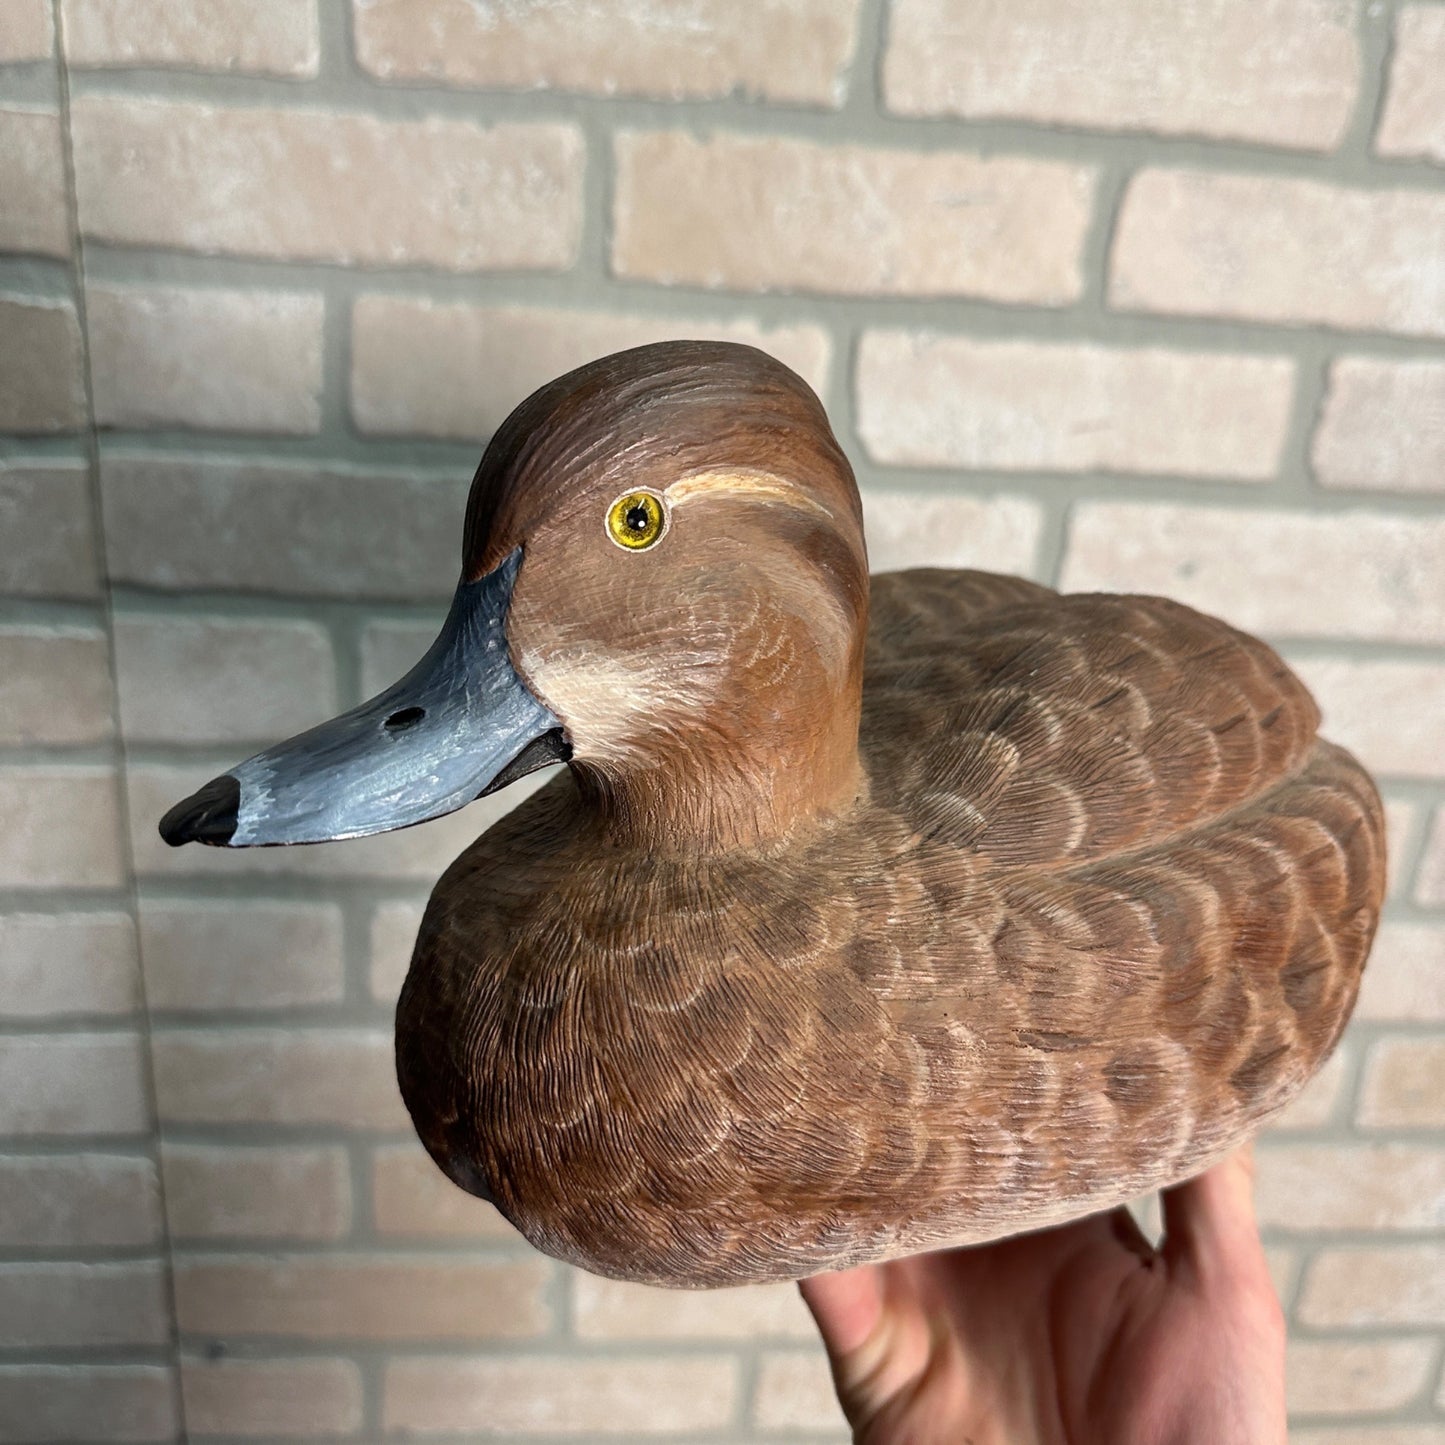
207, 816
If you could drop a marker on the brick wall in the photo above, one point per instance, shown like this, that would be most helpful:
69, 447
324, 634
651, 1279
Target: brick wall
1125, 296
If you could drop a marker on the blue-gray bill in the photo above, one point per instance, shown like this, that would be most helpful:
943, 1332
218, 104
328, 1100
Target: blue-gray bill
461, 723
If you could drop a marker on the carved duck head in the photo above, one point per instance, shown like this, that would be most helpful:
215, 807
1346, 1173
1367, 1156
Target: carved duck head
664, 580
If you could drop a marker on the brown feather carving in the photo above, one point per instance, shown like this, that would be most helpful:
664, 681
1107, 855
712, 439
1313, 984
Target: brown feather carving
824, 952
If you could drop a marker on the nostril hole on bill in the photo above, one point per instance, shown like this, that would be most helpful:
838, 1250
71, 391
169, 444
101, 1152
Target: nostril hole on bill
405, 718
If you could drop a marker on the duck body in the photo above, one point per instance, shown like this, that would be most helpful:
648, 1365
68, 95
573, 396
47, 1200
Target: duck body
870, 915
1101, 912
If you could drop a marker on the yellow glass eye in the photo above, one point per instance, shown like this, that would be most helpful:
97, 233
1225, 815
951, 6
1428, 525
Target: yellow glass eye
636, 520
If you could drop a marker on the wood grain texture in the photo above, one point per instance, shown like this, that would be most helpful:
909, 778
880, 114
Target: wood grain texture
1078, 901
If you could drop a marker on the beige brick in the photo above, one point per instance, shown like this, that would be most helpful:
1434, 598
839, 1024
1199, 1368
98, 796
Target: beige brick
456, 370
1403, 1086
1430, 880
951, 401
65, 1306
62, 828
40, 367
559, 1396
288, 183
77, 963
1404, 1285
1282, 73
1264, 248
72, 1084
782, 50
271, 1397
773, 214
268, 37
391, 648
54, 685
241, 955
303, 531
608, 1309
1318, 1102
1405, 979
1350, 1186
1383, 426
1412, 122
63, 1403
78, 1201
1343, 1377
27, 33
393, 935
34, 217
45, 517
916, 528
247, 361
1285, 574
418, 854
345, 1077
363, 1297
412, 1198
795, 1392
216, 679
233, 1192
1391, 714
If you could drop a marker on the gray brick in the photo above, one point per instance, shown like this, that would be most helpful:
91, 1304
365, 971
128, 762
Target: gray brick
75, 1201
77, 963
247, 361
51, 1404
299, 531
41, 385
54, 685
72, 1084
70, 1305
33, 216
45, 518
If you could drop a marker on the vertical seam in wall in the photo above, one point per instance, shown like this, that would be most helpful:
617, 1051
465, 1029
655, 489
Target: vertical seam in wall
1374, 69
863, 87
118, 746
1111, 180
1053, 540
598, 202
1293, 484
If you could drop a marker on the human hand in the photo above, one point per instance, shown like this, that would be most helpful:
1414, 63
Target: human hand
1078, 1335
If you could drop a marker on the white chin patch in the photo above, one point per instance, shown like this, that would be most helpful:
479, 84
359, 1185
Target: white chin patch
609, 705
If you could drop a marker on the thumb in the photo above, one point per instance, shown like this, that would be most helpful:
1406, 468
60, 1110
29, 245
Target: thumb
877, 1337
847, 1307
1209, 1221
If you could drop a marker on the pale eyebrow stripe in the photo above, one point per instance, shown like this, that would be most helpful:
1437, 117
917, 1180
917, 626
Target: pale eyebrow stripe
743, 481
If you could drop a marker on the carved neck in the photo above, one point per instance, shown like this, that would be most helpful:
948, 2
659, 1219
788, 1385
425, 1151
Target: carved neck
713, 791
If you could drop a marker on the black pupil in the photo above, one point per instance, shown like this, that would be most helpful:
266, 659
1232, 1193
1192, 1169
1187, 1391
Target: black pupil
638, 518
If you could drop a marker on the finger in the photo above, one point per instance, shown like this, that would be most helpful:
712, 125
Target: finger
1209, 1221
847, 1307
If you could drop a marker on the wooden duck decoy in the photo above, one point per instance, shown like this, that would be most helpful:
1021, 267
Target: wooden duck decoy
864, 920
